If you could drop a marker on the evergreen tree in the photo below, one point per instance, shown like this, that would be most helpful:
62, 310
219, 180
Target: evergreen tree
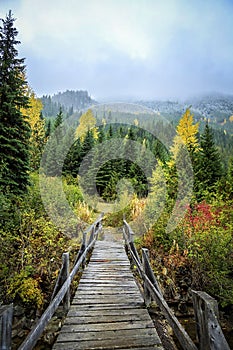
59, 119
209, 163
14, 128
73, 158
230, 178
48, 129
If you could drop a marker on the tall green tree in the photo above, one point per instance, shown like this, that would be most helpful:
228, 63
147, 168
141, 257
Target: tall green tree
209, 163
14, 128
59, 119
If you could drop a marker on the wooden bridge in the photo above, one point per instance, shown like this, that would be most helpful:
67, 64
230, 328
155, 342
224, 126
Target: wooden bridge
108, 310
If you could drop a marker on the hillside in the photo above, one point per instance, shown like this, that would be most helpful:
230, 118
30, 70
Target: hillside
216, 108
70, 101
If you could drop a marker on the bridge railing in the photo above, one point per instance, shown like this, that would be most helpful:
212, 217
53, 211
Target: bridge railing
209, 332
61, 292
6, 315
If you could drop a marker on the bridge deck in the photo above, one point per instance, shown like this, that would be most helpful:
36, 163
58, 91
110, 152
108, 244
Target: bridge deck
107, 311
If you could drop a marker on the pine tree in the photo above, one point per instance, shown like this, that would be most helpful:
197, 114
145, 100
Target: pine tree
48, 129
14, 128
59, 119
230, 178
209, 163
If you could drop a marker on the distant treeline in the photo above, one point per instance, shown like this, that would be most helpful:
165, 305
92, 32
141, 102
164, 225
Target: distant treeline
69, 101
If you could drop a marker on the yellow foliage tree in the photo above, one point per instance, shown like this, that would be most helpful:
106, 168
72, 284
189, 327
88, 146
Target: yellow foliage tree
37, 124
187, 130
184, 149
87, 122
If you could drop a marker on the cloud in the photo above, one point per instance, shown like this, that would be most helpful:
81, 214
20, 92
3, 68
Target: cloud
147, 47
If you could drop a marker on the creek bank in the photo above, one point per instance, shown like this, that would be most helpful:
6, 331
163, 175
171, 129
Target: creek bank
23, 321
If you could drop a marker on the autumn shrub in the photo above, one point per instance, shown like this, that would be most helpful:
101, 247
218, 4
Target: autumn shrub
209, 243
84, 212
201, 247
25, 289
31, 248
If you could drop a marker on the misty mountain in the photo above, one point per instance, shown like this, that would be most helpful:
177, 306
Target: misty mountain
215, 108
70, 101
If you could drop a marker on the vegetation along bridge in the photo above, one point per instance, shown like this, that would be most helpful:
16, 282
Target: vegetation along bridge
108, 310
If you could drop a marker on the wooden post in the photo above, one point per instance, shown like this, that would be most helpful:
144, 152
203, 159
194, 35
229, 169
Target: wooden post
92, 234
148, 270
145, 258
66, 272
62, 277
6, 315
209, 332
81, 250
131, 243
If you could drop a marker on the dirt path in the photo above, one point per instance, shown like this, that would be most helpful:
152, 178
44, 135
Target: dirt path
111, 234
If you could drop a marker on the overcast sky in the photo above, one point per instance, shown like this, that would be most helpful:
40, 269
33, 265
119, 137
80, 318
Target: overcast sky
117, 49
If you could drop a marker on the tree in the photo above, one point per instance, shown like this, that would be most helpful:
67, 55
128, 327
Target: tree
185, 148
14, 127
209, 162
37, 124
48, 129
229, 187
87, 122
188, 131
59, 119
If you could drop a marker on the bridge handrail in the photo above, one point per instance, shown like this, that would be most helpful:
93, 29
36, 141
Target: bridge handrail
155, 292
6, 314
209, 333
39, 327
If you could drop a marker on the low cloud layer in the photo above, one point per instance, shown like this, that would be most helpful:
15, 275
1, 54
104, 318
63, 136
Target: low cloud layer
120, 49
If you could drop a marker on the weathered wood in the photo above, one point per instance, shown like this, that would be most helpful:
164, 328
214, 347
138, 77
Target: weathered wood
148, 270
129, 235
108, 310
107, 344
82, 249
100, 318
6, 315
209, 332
145, 258
184, 339
63, 275
74, 312
143, 334
107, 326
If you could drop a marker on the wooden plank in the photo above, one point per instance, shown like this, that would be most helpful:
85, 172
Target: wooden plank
140, 344
106, 319
108, 292
109, 301
119, 334
75, 312
107, 326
